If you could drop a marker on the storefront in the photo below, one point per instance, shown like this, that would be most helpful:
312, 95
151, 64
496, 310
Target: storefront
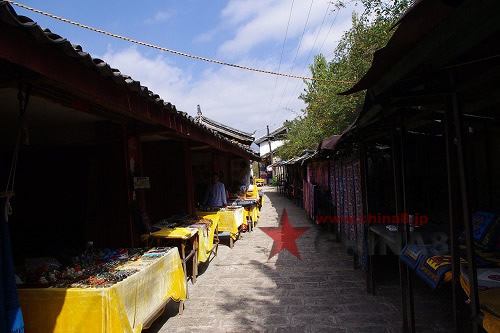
92, 159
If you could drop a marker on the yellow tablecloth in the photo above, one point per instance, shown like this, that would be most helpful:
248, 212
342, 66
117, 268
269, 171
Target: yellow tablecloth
229, 220
175, 233
205, 236
254, 194
206, 241
489, 298
124, 307
253, 212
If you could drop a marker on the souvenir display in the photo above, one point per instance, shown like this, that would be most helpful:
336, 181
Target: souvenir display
93, 269
208, 209
243, 203
182, 221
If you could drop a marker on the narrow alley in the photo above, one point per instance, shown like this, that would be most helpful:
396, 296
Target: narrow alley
243, 291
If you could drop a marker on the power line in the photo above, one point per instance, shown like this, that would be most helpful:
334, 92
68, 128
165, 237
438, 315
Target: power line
169, 50
324, 40
295, 59
331, 26
310, 52
281, 57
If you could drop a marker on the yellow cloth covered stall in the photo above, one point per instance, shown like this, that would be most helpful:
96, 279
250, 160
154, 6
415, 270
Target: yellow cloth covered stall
253, 193
252, 212
489, 299
175, 233
206, 240
205, 235
229, 220
123, 307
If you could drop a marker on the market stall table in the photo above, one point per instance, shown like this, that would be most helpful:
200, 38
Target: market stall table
251, 211
230, 221
184, 236
199, 236
127, 306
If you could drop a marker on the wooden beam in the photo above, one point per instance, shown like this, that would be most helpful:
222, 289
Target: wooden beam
72, 75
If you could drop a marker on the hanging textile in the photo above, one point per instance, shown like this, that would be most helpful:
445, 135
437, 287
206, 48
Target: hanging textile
339, 193
360, 226
305, 195
311, 200
351, 202
325, 166
345, 199
11, 318
333, 188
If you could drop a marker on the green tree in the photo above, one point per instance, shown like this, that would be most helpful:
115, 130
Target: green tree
328, 113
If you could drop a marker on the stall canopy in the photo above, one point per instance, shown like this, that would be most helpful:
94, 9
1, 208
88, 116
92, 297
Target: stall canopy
431, 38
329, 143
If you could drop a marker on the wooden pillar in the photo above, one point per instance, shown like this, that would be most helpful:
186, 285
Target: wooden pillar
364, 190
453, 208
188, 167
466, 214
399, 167
133, 165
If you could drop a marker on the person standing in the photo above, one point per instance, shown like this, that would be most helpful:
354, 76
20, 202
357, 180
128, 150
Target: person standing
216, 193
244, 176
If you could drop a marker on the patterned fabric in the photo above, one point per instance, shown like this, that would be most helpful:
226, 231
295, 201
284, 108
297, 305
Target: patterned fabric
311, 200
345, 206
351, 204
305, 190
333, 187
11, 317
412, 255
324, 173
360, 227
482, 258
432, 269
338, 192
484, 223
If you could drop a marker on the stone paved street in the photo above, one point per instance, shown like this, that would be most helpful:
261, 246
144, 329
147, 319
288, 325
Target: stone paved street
242, 291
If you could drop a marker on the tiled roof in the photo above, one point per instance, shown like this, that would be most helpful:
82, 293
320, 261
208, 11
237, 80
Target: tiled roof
9, 16
279, 131
224, 129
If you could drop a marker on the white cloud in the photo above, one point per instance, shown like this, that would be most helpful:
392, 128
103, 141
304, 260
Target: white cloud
238, 11
160, 17
232, 96
207, 36
235, 97
266, 20
157, 73
328, 36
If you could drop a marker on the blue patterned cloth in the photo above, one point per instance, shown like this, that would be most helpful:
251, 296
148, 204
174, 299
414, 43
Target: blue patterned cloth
432, 269
11, 318
412, 255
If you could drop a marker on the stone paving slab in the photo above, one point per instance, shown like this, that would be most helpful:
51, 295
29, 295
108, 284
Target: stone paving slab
242, 290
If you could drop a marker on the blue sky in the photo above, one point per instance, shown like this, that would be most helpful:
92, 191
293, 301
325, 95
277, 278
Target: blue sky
246, 32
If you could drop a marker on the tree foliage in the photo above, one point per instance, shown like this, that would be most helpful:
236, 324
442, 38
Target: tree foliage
326, 112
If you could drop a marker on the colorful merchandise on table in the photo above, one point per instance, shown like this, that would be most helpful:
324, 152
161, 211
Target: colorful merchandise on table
126, 306
182, 221
93, 269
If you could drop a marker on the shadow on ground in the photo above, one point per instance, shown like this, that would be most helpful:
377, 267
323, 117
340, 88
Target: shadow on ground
321, 292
